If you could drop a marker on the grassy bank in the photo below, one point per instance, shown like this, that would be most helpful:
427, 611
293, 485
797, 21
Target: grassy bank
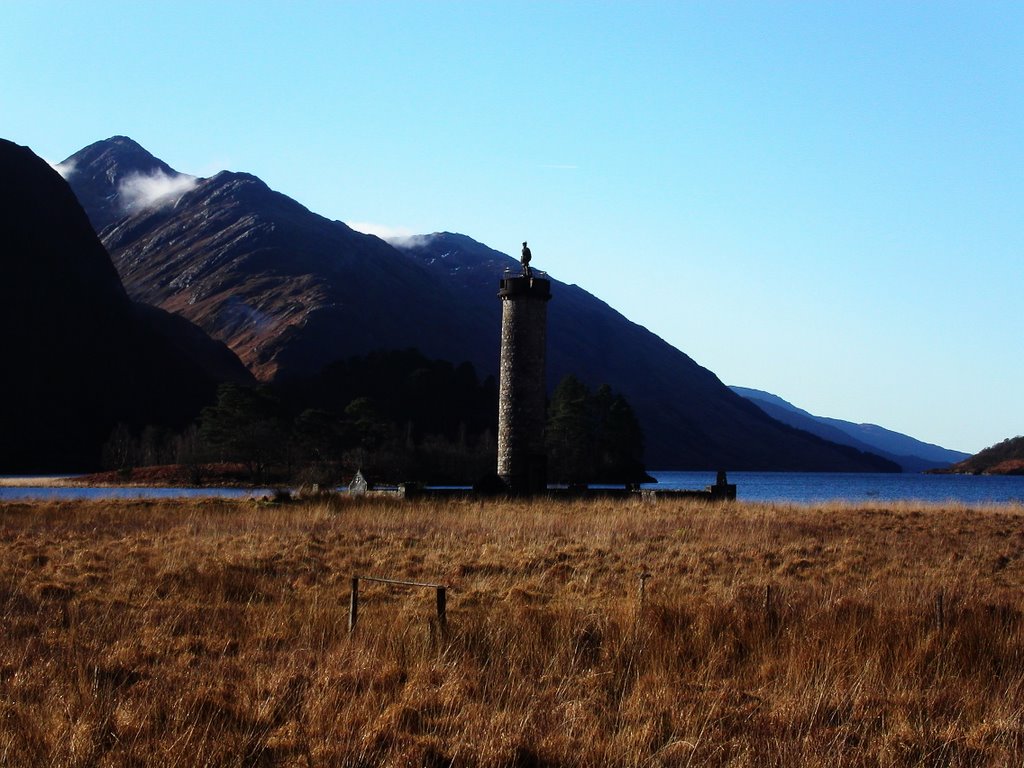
214, 633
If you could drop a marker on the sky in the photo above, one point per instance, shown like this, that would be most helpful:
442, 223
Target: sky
821, 200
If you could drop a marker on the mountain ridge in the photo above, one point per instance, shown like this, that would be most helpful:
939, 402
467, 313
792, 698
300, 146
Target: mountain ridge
291, 291
911, 454
595, 342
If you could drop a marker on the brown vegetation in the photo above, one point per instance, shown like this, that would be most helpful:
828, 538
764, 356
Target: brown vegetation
1005, 458
214, 633
219, 474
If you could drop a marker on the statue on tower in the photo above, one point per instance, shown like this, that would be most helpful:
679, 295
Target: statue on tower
526, 260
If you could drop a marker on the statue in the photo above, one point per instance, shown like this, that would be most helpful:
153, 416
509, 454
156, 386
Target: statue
526, 260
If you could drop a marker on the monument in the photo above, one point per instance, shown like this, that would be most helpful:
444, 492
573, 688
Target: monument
522, 461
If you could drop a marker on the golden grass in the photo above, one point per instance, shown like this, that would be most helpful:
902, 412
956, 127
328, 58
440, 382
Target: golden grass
214, 633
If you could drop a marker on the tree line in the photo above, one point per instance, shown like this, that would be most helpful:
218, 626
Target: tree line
396, 415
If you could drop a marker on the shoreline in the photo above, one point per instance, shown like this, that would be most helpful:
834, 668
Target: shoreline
40, 481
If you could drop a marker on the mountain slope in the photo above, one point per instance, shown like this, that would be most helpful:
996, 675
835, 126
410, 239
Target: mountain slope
290, 291
117, 177
78, 357
911, 454
690, 418
1005, 458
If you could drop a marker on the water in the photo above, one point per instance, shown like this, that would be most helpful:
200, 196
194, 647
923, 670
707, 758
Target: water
814, 487
30, 493
790, 487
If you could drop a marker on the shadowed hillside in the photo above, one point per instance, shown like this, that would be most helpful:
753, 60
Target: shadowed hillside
79, 357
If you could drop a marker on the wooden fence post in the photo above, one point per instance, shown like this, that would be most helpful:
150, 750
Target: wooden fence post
442, 607
643, 585
441, 590
940, 609
353, 605
771, 615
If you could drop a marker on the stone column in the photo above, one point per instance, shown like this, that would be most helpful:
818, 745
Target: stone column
522, 461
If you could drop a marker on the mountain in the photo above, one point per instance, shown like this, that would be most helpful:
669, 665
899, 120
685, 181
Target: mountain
79, 356
911, 454
288, 290
216, 361
291, 291
690, 418
118, 176
1005, 458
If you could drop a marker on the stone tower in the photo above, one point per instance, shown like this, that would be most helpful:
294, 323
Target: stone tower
522, 462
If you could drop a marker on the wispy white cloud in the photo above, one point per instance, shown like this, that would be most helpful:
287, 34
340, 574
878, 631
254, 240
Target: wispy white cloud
65, 169
400, 236
143, 191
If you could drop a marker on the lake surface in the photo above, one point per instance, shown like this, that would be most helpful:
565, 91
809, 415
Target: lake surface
813, 487
787, 487
30, 493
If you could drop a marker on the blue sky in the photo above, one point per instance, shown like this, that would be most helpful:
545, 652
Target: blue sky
822, 200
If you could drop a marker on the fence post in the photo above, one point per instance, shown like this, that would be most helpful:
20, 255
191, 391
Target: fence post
442, 599
643, 586
353, 605
771, 615
442, 607
940, 609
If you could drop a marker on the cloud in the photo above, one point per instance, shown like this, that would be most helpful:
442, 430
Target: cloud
65, 169
400, 236
139, 191
238, 315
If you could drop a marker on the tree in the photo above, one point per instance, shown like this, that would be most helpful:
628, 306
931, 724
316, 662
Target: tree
245, 425
121, 449
319, 435
620, 439
592, 437
570, 433
369, 427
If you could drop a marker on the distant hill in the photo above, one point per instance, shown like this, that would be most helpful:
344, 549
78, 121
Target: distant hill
1005, 458
290, 292
911, 454
79, 356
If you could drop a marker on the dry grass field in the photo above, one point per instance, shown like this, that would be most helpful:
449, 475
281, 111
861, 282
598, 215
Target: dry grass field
215, 634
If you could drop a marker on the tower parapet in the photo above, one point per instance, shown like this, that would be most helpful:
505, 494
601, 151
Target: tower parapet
522, 460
